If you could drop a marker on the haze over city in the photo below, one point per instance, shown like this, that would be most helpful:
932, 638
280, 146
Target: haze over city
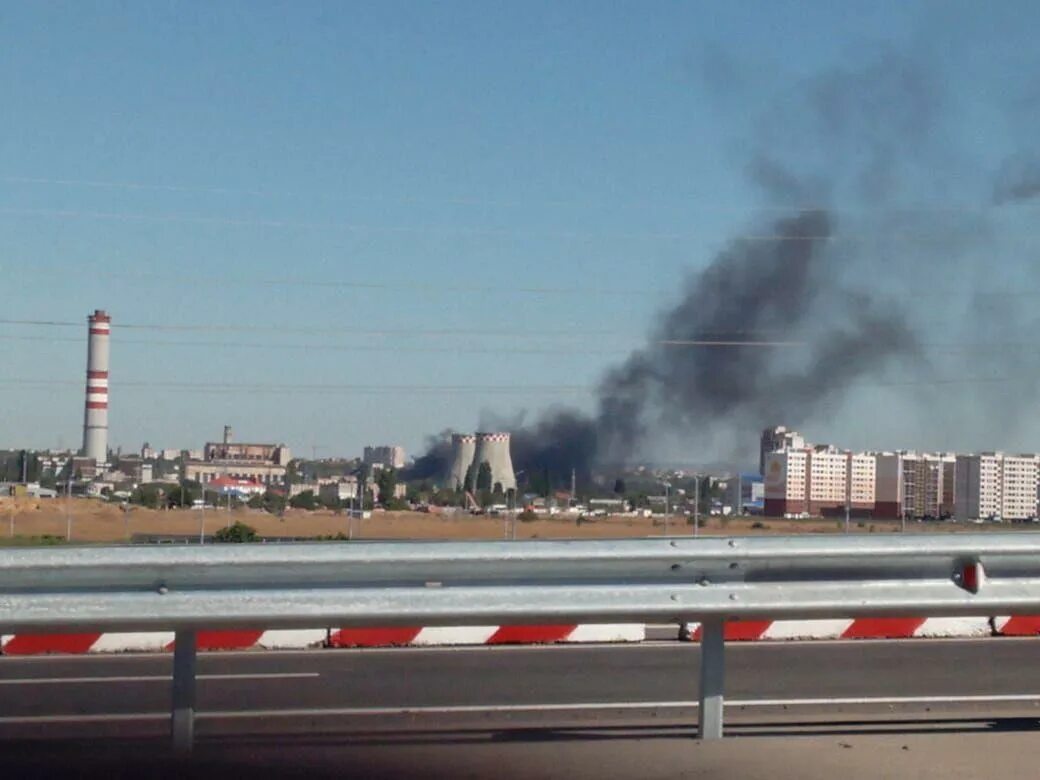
335, 229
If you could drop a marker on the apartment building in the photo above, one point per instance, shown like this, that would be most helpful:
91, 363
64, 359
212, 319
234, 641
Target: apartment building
385, 455
862, 482
817, 480
776, 439
995, 485
786, 482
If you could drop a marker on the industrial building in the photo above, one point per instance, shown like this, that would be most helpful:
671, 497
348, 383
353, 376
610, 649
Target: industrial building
470, 452
264, 463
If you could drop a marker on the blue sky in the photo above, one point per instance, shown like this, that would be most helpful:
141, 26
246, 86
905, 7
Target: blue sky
515, 187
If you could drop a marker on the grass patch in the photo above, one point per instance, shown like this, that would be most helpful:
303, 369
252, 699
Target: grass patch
47, 540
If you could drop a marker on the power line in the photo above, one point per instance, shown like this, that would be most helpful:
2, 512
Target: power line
450, 230
692, 202
276, 388
228, 388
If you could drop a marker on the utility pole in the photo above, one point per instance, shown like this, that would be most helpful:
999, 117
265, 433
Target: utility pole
667, 505
68, 516
696, 504
202, 512
573, 488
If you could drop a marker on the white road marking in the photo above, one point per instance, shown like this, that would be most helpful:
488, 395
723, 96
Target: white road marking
481, 709
153, 678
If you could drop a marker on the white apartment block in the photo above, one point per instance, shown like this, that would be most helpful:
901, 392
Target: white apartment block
777, 439
992, 484
863, 480
817, 480
828, 477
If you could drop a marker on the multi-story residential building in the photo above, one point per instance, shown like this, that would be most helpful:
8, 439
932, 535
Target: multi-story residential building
862, 482
776, 439
828, 479
820, 481
995, 485
786, 482
1018, 487
389, 456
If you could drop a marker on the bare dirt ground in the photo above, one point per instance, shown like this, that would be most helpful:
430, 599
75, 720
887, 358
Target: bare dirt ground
26, 520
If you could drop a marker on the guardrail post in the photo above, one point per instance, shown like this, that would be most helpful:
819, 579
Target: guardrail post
713, 675
183, 720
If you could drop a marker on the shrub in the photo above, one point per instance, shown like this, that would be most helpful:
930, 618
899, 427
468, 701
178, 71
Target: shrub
758, 524
237, 533
527, 516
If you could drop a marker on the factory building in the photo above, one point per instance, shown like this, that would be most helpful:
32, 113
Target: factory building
470, 452
265, 463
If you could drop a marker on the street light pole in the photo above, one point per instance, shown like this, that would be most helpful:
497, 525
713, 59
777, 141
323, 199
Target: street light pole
667, 505
68, 515
696, 504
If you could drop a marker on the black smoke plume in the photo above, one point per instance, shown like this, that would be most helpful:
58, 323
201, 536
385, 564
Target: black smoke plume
738, 344
822, 306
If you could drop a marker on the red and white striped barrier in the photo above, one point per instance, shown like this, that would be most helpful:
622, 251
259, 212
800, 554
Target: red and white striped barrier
861, 628
39, 644
736, 631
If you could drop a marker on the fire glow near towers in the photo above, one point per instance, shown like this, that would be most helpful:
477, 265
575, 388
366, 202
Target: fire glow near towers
95, 418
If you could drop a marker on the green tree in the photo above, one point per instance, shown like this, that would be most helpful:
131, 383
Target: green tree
469, 481
149, 496
387, 482
484, 476
273, 502
236, 534
184, 495
304, 500
619, 487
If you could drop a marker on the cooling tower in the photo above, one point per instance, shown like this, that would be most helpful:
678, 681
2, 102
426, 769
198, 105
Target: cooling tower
463, 446
95, 416
493, 448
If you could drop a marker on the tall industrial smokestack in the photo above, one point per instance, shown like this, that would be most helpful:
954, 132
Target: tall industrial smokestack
463, 447
95, 419
493, 449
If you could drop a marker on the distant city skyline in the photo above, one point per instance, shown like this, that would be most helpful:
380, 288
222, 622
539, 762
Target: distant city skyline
307, 220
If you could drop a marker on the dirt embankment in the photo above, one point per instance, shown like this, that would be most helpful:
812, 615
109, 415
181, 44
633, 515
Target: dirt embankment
96, 521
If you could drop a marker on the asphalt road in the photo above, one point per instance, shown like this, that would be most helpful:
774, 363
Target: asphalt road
445, 707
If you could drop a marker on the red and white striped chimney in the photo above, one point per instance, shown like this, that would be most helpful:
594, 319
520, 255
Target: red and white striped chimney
95, 419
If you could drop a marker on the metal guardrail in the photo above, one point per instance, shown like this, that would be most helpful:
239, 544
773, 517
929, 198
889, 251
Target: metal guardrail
711, 580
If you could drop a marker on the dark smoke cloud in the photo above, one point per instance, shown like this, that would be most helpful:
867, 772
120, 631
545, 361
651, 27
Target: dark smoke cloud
837, 293
764, 293
1017, 180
